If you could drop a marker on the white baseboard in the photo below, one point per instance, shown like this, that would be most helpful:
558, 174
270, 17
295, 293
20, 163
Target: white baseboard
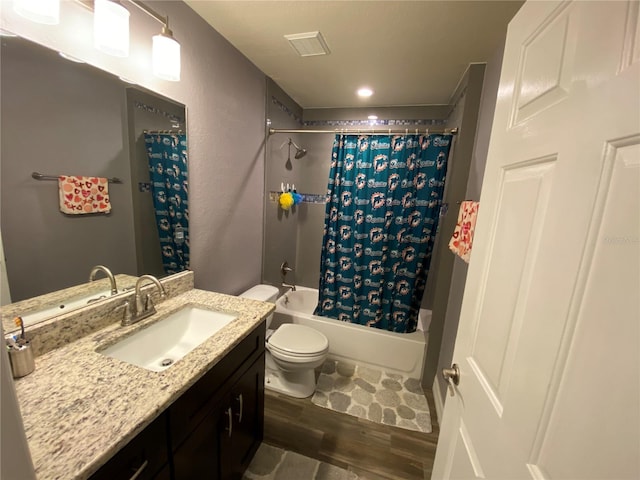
437, 399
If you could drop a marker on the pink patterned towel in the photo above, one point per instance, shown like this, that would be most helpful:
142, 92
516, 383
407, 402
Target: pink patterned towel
81, 195
462, 238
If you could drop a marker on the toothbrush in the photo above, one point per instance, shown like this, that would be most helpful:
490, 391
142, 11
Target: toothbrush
19, 323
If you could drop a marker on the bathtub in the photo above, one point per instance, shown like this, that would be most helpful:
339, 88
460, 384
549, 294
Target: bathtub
401, 353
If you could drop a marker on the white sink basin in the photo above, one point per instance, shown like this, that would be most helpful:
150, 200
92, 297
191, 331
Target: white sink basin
162, 344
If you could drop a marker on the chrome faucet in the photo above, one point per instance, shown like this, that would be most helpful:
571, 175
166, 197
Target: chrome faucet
112, 279
284, 269
287, 285
142, 306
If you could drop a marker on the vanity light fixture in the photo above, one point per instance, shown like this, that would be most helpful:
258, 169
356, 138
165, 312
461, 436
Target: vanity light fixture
111, 28
39, 11
365, 92
165, 56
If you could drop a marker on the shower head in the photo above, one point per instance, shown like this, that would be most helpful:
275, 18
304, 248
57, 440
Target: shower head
300, 152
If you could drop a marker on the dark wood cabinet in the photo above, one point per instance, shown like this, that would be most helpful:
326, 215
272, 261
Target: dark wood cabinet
241, 422
247, 405
211, 432
226, 430
142, 458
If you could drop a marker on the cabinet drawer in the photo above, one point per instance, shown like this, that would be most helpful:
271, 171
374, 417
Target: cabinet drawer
189, 410
145, 455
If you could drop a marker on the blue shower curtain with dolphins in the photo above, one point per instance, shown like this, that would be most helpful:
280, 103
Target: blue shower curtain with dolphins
383, 204
167, 153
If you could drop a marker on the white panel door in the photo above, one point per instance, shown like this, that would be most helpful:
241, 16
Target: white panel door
548, 342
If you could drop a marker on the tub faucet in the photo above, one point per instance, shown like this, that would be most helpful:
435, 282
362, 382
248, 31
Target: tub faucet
286, 285
142, 306
112, 279
284, 269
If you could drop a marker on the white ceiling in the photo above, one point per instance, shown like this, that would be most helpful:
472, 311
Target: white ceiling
408, 52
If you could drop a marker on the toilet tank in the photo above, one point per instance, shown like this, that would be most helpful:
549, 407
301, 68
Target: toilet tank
264, 293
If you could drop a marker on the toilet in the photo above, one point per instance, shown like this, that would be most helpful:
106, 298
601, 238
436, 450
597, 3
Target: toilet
293, 351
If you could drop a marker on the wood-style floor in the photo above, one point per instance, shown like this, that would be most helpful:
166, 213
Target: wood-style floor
371, 450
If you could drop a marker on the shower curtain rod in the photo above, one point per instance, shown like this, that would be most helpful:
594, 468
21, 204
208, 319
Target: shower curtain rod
156, 132
390, 131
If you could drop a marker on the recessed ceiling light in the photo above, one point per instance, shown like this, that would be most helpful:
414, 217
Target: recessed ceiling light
70, 58
365, 92
372, 117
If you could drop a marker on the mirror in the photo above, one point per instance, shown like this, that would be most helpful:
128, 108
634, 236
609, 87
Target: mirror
59, 117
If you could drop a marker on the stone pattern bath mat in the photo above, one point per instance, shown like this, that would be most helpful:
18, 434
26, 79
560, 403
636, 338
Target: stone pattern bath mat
380, 397
273, 463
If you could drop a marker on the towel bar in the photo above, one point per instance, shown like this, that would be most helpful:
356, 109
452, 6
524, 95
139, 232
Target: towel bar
40, 176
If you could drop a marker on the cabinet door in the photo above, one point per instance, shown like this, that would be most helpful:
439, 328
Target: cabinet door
241, 422
247, 403
197, 457
226, 431
202, 398
141, 458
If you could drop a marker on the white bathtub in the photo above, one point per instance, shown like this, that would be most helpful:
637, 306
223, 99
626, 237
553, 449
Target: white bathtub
392, 352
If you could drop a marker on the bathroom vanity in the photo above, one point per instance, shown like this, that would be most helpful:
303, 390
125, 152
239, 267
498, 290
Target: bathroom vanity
212, 431
87, 415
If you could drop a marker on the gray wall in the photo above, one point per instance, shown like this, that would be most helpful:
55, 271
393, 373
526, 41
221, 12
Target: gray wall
280, 167
464, 116
147, 241
224, 94
49, 125
225, 98
474, 184
311, 219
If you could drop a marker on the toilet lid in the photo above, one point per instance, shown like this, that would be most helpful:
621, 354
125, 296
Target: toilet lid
298, 339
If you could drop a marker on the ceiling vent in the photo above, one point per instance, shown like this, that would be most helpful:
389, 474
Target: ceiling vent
308, 44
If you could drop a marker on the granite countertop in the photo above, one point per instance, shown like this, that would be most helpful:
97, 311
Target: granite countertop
80, 407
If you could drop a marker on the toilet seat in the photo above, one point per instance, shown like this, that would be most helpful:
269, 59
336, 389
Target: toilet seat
291, 340
292, 359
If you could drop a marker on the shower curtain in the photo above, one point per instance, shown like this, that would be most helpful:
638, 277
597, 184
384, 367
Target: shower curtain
167, 155
383, 205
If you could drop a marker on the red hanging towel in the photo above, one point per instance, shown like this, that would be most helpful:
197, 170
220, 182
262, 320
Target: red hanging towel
462, 238
82, 195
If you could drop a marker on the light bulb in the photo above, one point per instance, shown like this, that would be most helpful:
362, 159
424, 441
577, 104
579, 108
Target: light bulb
111, 28
166, 56
40, 11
